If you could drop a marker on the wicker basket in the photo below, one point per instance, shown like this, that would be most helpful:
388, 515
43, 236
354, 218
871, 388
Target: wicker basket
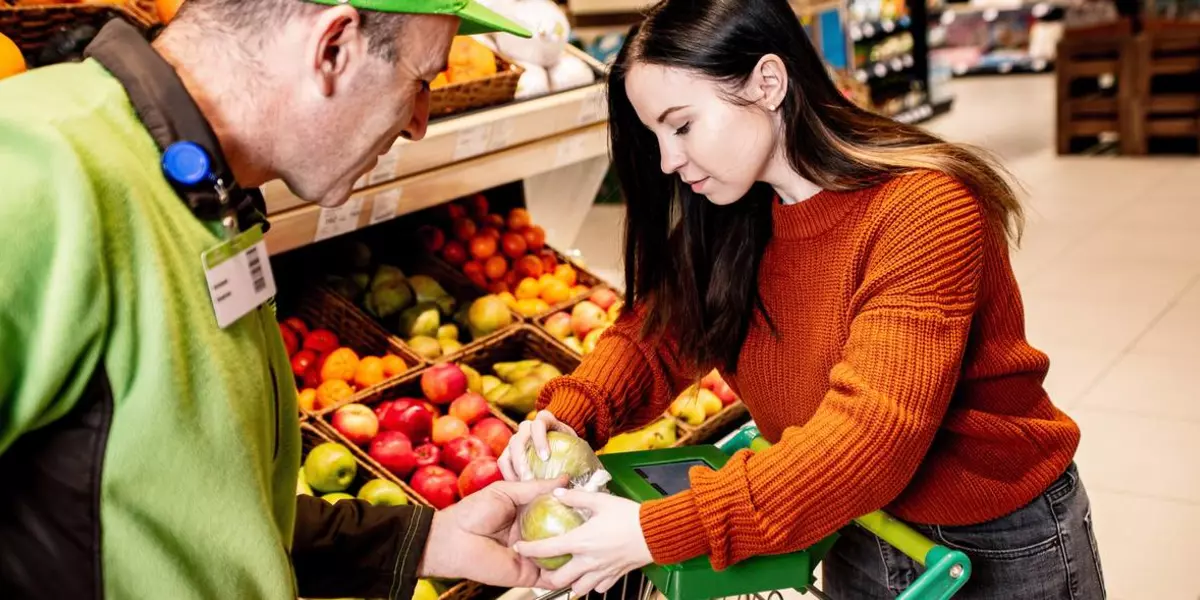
31, 26
478, 93
525, 342
323, 309
715, 426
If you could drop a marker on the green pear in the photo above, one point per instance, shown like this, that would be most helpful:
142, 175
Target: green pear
448, 331
446, 304
450, 346
474, 381
330, 468
500, 390
545, 372
386, 275
420, 320
487, 383
386, 300
522, 397
381, 492
336, 497
425, 591
427, 288
573, 343
426, 347
660, 434
512, 371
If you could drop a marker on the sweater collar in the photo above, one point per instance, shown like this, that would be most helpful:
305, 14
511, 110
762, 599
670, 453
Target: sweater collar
816, 215
170, 114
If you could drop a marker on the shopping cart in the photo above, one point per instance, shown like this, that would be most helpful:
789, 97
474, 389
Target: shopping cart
652, 474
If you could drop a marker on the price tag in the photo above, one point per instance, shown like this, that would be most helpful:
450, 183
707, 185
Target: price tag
239, 276
472, 142
337, 221
386, 169
501, 135
570, 151
591, 109
386, 205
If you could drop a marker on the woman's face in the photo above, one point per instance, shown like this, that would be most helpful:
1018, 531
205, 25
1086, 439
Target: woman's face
717, 147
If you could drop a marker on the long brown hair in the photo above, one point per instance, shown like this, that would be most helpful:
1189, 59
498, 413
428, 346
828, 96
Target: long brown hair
692, 265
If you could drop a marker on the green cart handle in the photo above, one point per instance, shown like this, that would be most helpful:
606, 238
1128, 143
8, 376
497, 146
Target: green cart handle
946, 570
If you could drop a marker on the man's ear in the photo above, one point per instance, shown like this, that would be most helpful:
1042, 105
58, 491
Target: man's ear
768, 85
335, 47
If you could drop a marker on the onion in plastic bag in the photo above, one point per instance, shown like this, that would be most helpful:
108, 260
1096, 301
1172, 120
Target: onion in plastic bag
569, 455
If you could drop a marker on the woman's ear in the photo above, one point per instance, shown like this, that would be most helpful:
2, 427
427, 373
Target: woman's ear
768, 84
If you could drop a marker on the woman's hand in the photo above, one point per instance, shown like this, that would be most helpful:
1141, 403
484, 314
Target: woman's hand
512, 461
605, 548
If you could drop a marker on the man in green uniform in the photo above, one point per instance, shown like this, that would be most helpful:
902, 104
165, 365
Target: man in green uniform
146, 449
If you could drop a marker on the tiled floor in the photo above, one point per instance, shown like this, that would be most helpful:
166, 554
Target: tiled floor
1110, 271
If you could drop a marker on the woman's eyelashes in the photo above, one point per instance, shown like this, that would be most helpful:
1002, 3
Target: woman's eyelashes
685, 129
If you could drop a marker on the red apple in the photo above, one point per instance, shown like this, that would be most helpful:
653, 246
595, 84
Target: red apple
381, 411
394, 451
297, 325
477, 206
291, 341
432, 238
559, 325
410, 417
428, 455
449, 428
470, 407
312, 377
587, 316
711, 380
321, 341
455, 253
302, 361
443, 383
437, 485
357, 422
481, 473
494, 433
725, 393
433, 410
604, 298
459, 452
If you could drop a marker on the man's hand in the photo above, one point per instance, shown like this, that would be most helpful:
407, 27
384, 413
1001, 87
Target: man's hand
473, 539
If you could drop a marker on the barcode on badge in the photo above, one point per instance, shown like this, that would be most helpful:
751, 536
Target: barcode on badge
256, 270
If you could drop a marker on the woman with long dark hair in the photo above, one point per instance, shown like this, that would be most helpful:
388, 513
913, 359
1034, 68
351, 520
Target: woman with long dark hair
849, 276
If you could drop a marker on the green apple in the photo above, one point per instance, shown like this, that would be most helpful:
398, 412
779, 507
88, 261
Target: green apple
336, 497
330, 468
302, 487
381, 492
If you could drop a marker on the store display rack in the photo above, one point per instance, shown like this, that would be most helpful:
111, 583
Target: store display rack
995, 38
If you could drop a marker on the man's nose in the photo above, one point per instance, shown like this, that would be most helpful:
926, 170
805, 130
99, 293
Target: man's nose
420, 119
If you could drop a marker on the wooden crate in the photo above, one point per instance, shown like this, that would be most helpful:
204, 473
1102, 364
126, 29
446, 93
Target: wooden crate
321, 308
1094, 81
316, 433
1165, 101
31, 26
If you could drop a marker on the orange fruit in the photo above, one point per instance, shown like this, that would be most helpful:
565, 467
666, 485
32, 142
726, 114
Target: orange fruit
519, 219
333, 392
440, 81
495, 268
546, 280
556, 291
370, 372
166, 9
307, 400
532, 308
509, 299
579, 290
340, 364
529, 289
393, 365
12, 62
483, 246
566, 274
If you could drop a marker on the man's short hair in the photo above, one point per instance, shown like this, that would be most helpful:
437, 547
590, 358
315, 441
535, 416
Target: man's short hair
249, 17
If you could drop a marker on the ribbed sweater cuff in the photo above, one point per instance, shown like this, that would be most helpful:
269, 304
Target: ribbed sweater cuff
569, 403
673, 529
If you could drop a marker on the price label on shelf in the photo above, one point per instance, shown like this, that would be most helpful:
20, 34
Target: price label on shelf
501, 136
338, 221
570, 151
472, 142
591, 109
386, 169
386, 205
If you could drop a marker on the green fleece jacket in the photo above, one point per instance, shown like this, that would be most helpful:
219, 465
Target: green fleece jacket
100, 270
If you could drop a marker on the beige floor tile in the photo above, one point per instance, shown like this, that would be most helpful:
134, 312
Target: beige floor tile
1122, 240
1145, 550
1150, 386
1139, 455
1177, 332
1074, 368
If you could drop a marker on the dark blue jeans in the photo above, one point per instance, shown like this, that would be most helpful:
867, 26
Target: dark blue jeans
1044, 551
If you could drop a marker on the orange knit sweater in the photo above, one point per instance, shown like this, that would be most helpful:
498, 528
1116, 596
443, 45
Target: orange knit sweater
900, 379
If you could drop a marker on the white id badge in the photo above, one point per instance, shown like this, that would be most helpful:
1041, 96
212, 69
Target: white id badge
239, 276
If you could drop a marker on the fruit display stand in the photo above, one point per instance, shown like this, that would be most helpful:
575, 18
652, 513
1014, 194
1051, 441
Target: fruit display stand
313, 436
33, 26
557, 145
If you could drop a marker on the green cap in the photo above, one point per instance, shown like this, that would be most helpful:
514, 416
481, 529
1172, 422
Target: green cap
476, 18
